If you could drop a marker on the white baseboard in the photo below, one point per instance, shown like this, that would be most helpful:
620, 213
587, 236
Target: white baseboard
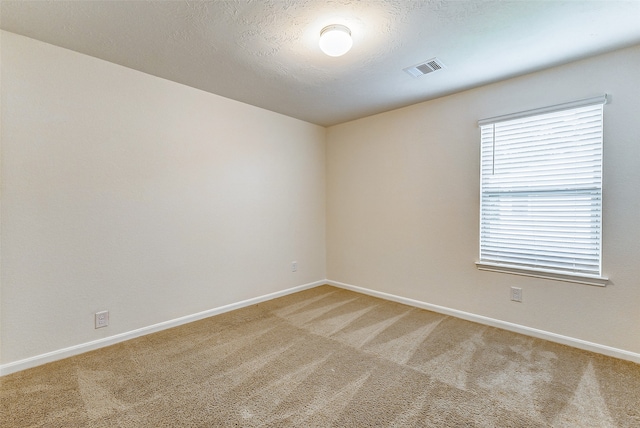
516, 328
59, 354
38, 360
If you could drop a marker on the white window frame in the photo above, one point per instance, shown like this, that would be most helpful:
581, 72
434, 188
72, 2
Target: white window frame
492, 256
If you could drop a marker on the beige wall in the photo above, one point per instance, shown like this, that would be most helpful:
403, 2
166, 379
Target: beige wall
403, 202
147, 198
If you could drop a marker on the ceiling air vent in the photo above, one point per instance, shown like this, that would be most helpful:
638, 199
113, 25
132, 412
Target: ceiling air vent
425, 67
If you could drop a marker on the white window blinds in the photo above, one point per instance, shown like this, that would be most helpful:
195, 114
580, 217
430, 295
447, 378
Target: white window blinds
541, 189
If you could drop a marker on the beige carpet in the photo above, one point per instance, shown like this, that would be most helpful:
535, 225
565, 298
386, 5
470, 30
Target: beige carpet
327, 357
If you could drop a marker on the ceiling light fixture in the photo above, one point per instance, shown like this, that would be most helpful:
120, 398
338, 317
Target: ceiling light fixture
335, 40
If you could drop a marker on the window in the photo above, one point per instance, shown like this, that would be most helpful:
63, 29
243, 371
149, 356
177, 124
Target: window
541, 192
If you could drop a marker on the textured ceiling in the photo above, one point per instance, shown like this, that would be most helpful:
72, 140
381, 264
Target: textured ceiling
266, 52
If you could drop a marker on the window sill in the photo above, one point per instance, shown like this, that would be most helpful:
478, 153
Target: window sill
580, 279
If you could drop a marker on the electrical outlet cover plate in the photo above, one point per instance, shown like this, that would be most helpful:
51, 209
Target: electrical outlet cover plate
102, 319
516, 294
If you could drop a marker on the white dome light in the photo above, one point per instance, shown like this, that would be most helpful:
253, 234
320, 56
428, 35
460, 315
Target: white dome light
335, 40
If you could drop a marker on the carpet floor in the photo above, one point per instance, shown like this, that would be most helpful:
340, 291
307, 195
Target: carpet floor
327, 357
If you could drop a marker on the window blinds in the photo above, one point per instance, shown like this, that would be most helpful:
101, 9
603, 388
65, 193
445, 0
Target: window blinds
541, 190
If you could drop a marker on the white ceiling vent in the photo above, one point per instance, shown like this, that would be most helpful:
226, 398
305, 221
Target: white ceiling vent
425, 67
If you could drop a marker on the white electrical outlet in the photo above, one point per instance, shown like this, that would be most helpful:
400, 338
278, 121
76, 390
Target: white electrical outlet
294, 266
102, 319
516, 294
